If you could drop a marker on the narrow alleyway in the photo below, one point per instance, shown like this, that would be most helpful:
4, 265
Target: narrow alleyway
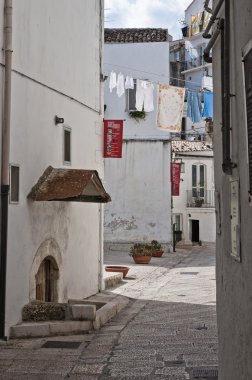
167, 331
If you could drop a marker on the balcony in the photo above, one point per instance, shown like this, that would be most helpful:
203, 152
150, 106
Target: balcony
195, 199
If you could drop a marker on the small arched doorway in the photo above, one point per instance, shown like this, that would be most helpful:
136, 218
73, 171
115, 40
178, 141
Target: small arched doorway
47, 280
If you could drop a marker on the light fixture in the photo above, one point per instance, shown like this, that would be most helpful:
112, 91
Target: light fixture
58, 120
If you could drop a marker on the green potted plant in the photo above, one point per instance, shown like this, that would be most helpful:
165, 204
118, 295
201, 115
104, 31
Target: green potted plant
141, 253
157, 249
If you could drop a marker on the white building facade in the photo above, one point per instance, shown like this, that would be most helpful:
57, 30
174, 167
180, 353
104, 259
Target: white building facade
198, 73
56, 70
233, 177
139, 182
193, 210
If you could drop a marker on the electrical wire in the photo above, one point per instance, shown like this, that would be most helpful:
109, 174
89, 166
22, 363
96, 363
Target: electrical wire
149, 72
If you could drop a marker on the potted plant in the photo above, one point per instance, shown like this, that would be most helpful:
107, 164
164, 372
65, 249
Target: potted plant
157, 249
199, 201
141, 253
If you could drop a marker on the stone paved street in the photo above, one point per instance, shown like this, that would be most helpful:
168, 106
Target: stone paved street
167, 331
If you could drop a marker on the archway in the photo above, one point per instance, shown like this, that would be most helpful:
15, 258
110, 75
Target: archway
47, 280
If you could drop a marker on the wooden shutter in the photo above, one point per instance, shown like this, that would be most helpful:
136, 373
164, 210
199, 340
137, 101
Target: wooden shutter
248, 89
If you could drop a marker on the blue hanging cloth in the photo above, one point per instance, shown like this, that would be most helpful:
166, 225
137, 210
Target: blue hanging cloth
194, 106
208, 105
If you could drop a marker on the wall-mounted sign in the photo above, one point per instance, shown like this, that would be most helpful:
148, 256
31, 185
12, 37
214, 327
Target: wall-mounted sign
235, 219
175, 178
113, 136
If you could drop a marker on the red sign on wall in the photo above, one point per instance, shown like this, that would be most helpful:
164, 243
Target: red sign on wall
113, 136
175, 178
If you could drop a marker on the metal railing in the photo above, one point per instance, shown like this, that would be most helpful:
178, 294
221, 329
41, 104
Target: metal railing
205, 199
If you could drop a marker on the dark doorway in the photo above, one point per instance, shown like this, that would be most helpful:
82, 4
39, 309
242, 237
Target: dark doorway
46, 281
195, 231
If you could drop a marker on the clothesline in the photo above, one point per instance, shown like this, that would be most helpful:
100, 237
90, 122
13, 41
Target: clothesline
149, 72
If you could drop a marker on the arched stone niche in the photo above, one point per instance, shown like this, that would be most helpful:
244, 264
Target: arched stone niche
46, 273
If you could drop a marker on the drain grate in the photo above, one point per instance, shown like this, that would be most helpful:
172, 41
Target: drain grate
208, 374
61, 344
192, 273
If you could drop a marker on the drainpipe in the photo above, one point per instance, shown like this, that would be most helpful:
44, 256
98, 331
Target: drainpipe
5, 159
206, 7
101, 232
212, 19
212, 41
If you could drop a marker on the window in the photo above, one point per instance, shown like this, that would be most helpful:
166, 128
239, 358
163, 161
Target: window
198, 180
183, 128
178, 226
14, 183
131, 98
67, 145
182, 167
248, 89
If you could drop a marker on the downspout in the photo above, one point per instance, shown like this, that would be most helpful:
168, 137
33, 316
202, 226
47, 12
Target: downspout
212, 19
5, 159
223, 28
101, 232
227, 164
101, 207
206, 7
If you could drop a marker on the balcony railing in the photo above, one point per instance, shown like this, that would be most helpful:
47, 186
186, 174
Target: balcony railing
204, 198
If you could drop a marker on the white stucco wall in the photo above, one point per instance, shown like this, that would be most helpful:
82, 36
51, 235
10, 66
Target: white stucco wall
147, 61
139, 185
234, 285
57, 43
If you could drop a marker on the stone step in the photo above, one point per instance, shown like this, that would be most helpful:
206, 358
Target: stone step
49, 328
70, 327
111, 279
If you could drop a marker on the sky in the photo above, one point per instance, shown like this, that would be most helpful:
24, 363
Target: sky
146, 14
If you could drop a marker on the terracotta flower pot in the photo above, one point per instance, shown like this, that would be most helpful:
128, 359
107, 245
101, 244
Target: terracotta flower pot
157, 253
116, 268
142, 259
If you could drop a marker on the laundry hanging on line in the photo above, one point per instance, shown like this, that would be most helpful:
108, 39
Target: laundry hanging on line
144, 96
208, 105
112, 81
120, 85
170, 107
194, 110
129, 83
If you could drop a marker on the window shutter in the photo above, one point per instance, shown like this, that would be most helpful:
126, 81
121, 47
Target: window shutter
248, 89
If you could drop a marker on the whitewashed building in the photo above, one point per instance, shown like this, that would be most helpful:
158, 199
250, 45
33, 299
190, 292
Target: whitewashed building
233, 177
193, 210
139, 182
54, 246
198, 73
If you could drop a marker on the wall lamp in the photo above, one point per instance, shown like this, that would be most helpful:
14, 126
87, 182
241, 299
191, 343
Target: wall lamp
58, 120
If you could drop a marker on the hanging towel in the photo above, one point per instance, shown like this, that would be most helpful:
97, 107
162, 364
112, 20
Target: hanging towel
139, 95
129, 83
170, 107
120, 85
208, 105
194, 106
148, 97
112, 81
144, 96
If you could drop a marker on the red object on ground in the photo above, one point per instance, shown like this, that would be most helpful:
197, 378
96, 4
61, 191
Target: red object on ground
142, 259
157, 253
116, 268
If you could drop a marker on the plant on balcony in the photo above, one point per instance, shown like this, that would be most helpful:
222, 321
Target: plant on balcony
199, 202
137, 115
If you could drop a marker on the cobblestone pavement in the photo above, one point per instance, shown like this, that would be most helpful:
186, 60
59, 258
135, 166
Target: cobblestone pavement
167, 331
